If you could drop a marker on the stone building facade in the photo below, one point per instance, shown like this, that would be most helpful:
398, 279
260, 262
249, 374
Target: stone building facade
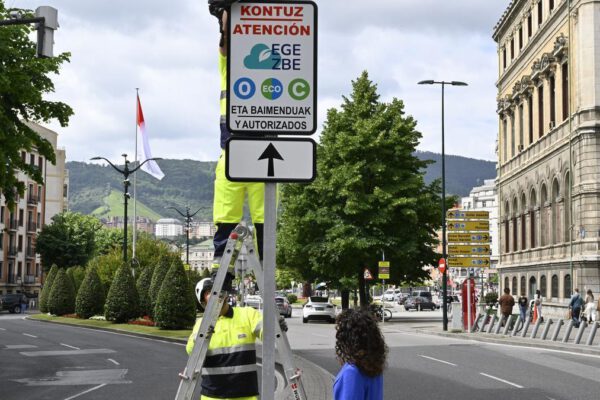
549, 148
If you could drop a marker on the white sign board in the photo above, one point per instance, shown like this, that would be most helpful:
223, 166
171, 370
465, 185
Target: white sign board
270, 160
271, 68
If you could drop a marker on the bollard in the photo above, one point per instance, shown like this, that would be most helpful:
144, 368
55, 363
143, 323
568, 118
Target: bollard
590, 340
546, 329
491, 324
582, 326
535, 328
478, 319
514, 332
499, 326
568, 331
507, 324
559, 324
525, 327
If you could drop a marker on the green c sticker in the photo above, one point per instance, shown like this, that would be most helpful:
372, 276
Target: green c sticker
299, 89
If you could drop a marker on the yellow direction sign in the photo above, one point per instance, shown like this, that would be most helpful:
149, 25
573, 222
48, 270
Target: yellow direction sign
459, 214
468, 225
384, 270
468, 262
468, 250
482, 237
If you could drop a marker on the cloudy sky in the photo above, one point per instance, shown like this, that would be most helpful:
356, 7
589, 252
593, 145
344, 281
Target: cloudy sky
168, 49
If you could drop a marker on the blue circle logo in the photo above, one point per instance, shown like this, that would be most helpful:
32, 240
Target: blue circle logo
244, 88
271, 88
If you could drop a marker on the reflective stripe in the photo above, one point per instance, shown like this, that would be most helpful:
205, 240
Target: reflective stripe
258, 328
230, 350
223, 94
223, 119
229, 370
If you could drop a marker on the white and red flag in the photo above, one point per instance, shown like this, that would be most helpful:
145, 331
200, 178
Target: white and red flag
144, 152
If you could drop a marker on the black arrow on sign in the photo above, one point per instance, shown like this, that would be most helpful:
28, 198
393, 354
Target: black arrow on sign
270, 153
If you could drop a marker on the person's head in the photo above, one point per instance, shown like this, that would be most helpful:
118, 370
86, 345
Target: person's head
506, 290
576, 290
204, 291
360, 342
538, 292
589, 291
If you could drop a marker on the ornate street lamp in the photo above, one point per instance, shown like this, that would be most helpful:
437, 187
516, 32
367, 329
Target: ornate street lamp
188, 223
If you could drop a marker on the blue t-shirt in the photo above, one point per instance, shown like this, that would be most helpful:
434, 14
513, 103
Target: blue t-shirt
351, 384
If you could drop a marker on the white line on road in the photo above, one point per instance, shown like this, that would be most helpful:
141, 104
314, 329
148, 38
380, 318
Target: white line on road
86, 391
71, 347
66, 352
435, 359
27, 334
113, 361
2, 329
502, 380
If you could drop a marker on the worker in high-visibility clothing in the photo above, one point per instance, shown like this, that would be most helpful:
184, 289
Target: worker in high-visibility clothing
228, 202
229, 371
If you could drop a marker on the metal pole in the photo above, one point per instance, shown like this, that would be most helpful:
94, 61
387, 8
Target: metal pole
125, 196
444, 283
137, 116
187, 235
469, 302
268, 288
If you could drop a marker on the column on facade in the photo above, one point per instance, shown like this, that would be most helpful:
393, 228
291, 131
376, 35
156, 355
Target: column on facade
536, 112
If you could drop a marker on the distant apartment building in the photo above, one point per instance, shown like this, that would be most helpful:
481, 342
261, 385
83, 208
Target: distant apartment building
201, 255
202, 229
168, 228
143, 224
20, 269
549, 149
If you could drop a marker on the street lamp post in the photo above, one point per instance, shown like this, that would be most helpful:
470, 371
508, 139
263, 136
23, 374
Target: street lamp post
125, 172
444, 275
188, 222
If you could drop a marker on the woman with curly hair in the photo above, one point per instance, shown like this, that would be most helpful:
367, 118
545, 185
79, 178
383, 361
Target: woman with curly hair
361, 349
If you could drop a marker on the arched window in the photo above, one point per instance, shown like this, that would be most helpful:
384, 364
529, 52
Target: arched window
523, 222
554, 286
506, 283
514, 286
515, 227
567, 287
523, 289
506, 227
532, 220
556, 225
543, 286
544, 217
567, 211
532, 286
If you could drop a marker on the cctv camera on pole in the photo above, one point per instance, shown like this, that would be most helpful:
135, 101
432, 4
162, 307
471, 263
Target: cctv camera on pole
48, 17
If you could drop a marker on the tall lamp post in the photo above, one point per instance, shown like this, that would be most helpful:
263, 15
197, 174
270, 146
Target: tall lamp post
188, 223
444, 275
125, 172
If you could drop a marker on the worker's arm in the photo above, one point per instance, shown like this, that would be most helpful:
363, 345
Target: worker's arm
192, 339
223, 47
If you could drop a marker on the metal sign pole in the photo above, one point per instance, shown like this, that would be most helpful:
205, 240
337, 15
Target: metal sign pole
268, 291
469, 301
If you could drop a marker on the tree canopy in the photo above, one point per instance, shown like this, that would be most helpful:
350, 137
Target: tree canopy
24, 80
369, 197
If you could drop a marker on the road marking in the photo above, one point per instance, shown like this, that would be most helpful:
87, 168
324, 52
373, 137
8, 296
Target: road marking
435, 359
113, 361
87, 377
2, 329
19, 346
502, 380
71, 347
86, 391
27, 334
66, 352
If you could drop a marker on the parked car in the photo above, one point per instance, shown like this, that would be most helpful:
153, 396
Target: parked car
422, 293
419, 303
254, 301
391, 295
284, 306
318, 308
402, 298
11, 303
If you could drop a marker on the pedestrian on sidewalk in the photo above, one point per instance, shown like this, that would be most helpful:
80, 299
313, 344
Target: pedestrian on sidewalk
590, 306
361, 349
523, 305
575, 306
507, 302
537, 303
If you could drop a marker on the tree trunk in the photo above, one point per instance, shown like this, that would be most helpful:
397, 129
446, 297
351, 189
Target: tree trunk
355, 298
362, 288
345, 299
306, 290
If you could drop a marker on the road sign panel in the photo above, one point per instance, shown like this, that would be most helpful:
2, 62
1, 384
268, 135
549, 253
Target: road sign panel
272, 68
468, 250
468, 225
482, 237
460, 214
270, 160
384, 270
468, 262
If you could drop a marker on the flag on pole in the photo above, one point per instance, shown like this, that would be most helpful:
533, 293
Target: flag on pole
150, 167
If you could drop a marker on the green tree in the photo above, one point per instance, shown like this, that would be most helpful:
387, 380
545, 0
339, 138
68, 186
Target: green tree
69, 240
108, 239
175, 306
90, 298
107, 265
62, 296
77, 274
160, 271
122, 303
369, 197
24, 80
47, 289
143, 288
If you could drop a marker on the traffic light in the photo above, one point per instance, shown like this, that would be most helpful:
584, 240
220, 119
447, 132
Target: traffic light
46, 30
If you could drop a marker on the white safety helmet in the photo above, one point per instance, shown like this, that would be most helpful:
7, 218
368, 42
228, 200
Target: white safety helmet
201, 287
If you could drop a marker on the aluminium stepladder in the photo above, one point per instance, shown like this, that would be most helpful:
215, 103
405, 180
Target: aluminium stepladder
190, 377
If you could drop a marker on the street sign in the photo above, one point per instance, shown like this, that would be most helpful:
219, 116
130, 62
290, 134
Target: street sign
468, 250
367, 275
459, 214
270, 160
468, 225
482, 237
384, 270
442, 265
468, 262
272, 68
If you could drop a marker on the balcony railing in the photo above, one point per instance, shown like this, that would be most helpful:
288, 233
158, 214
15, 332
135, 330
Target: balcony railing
13, 224
30, 253
31, 227
12, 251
12, 279
32, 199
29, 279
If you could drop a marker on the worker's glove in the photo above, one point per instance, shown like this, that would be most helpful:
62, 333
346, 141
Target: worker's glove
283, 324
227, 283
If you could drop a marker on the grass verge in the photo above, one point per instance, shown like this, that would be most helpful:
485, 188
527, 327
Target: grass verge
129, 328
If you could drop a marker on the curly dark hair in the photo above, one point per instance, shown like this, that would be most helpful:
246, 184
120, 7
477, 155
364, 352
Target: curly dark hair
360, 342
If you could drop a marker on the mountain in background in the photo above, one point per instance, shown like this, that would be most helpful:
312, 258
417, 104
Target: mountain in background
98, 190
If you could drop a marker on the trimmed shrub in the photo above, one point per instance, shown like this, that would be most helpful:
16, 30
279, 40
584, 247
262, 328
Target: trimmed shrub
143, 287
90, 297
122, 299
175, 306
491, 298
62, 295
292, 298
77, 275
47, 288
160, 271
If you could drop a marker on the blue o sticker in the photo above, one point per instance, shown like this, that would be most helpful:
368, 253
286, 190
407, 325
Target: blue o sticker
244, 88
